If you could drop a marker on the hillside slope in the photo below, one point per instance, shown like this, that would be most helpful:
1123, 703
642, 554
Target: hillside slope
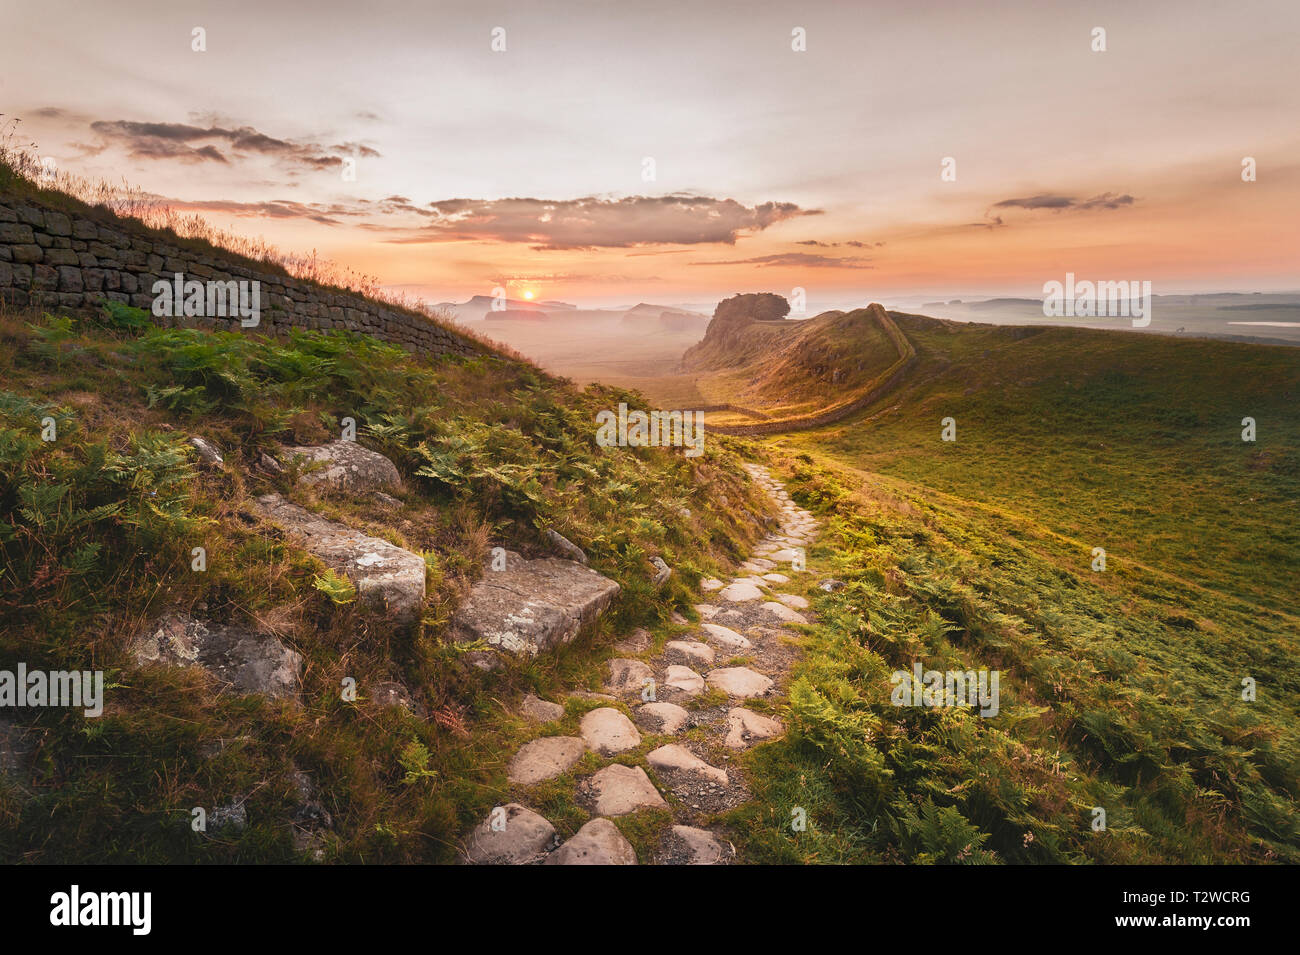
99, 525
785, 370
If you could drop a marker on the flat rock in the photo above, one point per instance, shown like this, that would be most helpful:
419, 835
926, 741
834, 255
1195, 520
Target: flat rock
745, 727
532, 605
776, 578
709, 584
725, 637
784, 613
628, 676
517, 836
597, 843
660, 717
696, 846
608, 731
679, 766
250, 662
758, 565
690, 652
387, 578
538, 710
793, 601
740, 592
544, 759
788, 555
684, 679
739, 681
707, 611
345, 466
619, 790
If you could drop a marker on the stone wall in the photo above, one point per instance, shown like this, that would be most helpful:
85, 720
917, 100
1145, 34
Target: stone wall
59, 260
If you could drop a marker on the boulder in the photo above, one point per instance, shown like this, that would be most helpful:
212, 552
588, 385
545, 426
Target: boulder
608, 731
682, 769
539, 710
689, 652
249, 661
662, 571
739, 681
784, 613
740, 592
516, 836
619, 790
345, 466
207, 452
532, 605
684, 679
566, 546
544, 759
726, 638
628, 676
661, 717
745, 727
597, 843
388, 579
691, 846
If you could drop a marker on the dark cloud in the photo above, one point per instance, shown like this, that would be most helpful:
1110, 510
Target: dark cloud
593, 222
1107, 200
196, 143
851, 243
805, 260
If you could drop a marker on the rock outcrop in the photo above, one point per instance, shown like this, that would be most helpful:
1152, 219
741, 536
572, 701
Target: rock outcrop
388, 579
346, 466
532, 606
250, 662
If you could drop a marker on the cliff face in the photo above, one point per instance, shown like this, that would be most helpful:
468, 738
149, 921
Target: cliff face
75, 257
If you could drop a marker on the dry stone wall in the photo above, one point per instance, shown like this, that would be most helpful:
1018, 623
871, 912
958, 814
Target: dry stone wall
56, 259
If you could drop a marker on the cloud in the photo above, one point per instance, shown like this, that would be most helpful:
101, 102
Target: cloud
196, 143
1106, 200
593, 222
804, 260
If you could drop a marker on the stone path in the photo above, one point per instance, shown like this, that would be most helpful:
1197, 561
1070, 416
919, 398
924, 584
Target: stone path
701, 699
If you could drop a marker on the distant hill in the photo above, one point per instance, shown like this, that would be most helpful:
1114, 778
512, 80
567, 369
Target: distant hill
479, 307
676, 319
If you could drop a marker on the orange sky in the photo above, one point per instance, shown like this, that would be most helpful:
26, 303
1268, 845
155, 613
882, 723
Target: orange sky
774, 168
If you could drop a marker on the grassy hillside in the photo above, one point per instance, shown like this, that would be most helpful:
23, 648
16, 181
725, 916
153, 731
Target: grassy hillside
1119, 691
1113, 440
96, 530
784, 369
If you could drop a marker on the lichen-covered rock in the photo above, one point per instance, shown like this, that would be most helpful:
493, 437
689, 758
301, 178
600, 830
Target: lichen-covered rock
532, 606
346, 466
251, 662
388, 579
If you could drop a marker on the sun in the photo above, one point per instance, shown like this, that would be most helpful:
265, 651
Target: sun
528, 294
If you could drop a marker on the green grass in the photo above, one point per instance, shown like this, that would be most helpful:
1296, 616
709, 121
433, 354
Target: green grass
1119, 690
96, 530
